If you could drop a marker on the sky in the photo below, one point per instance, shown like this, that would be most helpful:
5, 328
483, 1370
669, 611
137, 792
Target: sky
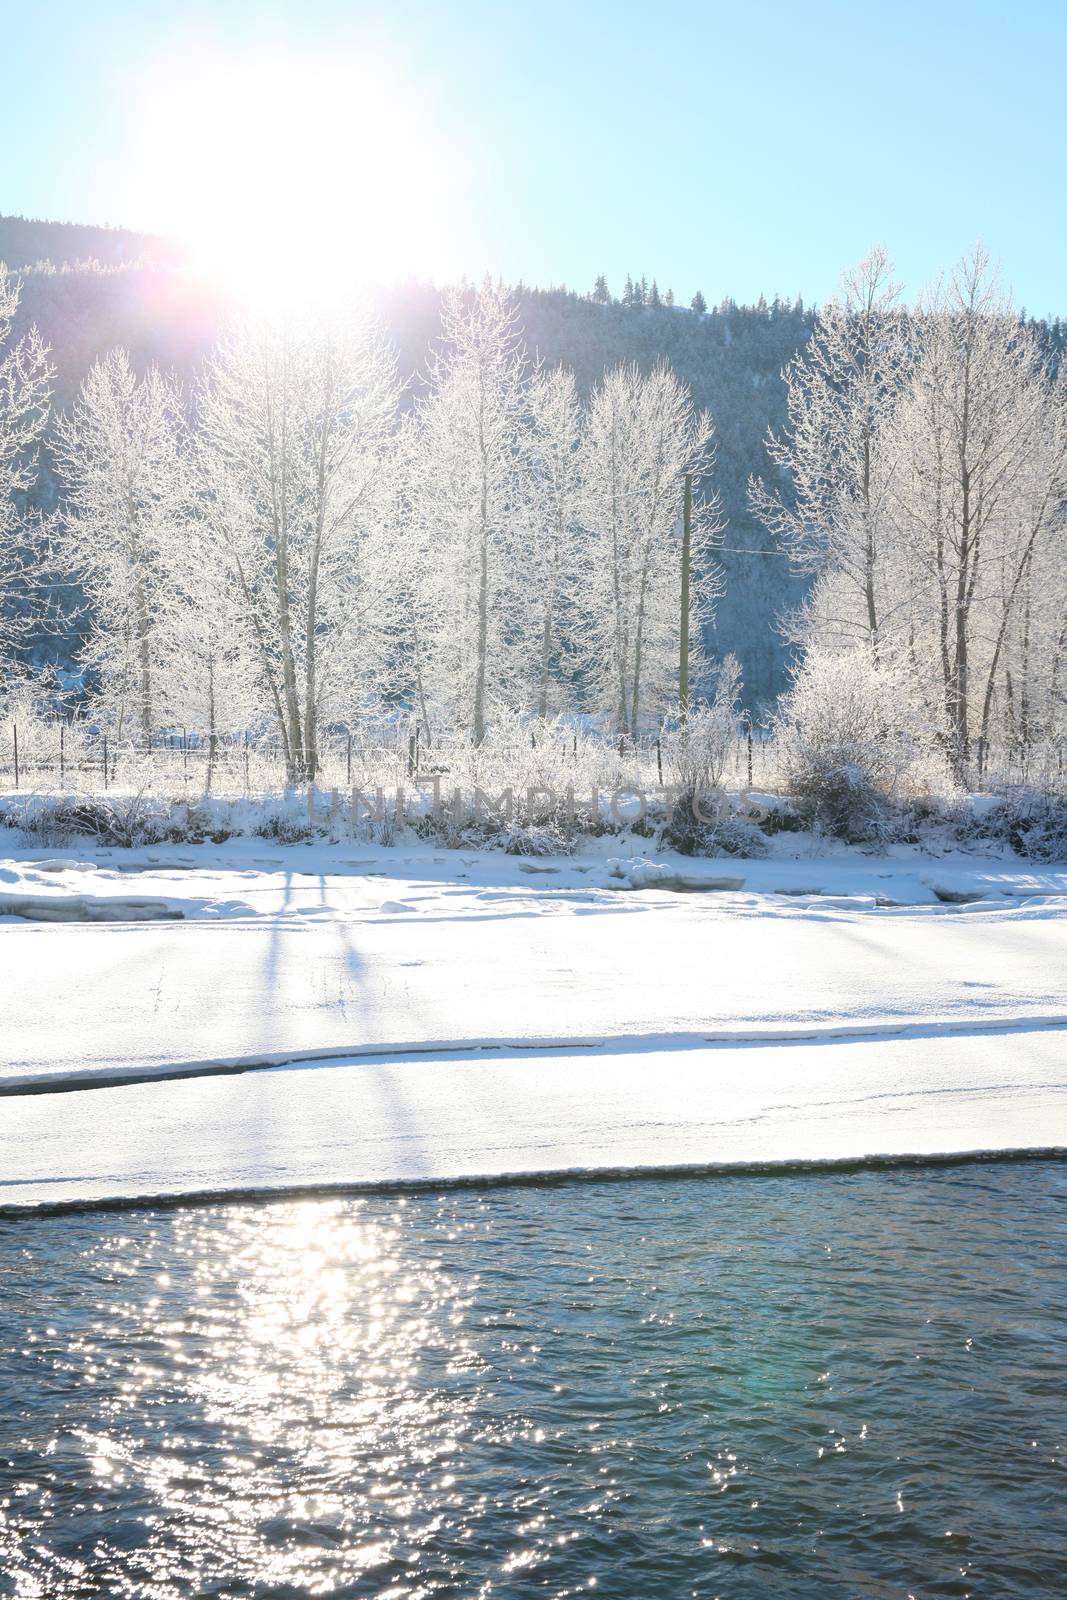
738, 149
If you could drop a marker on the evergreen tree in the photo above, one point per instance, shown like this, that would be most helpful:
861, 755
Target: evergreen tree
601, 292
698, 304
668, 298
628, 296
653, 296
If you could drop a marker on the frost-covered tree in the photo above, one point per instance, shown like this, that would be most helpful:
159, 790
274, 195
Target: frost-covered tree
856, 739
978, 486
553, 559
470, 511
829, 511
206, 663
120, 455
296, 423
25, 392
642, 436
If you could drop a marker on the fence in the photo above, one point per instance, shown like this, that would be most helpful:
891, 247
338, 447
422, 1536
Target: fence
59, 757
53, 756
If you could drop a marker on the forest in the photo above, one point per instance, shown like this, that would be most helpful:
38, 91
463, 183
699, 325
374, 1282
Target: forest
485, 504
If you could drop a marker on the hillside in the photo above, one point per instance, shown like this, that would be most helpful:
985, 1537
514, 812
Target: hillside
24, 241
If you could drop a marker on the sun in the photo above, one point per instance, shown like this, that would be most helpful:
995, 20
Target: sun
294, 178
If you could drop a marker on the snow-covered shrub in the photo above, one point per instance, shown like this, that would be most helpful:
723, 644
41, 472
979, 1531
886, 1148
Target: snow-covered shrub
716, 830
1032, 821
858, 744
193, 824
696, 750
538, 841
43, 819
125, 819
284, 824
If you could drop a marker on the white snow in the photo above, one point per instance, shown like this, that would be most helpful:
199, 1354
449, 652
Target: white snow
798, 1009
433, 1119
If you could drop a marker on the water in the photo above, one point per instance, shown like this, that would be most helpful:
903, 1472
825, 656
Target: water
842, 1385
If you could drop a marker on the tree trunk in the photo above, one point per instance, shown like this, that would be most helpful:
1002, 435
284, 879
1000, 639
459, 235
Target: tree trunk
144, 660
483, 609
212, 735
683, 639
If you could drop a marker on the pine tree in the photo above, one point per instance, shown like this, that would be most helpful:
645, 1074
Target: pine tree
120, 454
601, 292
668, 298
25, 393
698, 304
653, 296
628, 296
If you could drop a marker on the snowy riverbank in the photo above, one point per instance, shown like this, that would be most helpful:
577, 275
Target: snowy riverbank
800, 1008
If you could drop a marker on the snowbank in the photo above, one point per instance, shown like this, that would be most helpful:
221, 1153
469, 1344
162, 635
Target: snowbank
271, 957
470, 1014
433, 1120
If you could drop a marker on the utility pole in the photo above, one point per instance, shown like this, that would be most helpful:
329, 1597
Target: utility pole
683, 643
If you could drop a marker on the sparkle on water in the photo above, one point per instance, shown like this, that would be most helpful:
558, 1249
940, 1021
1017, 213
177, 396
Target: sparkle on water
844, 1385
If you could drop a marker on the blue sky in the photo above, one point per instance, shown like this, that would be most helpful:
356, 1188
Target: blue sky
739, 149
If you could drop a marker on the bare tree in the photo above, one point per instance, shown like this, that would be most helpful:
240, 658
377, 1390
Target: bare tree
970, 502
642, 437
295, 427
470, 507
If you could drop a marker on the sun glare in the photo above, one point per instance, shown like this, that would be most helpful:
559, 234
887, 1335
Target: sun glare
293, 178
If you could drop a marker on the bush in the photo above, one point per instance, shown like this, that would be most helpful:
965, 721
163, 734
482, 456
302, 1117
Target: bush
858, 745
697, 750
284, 825
718, 830
1032, 821
123, 820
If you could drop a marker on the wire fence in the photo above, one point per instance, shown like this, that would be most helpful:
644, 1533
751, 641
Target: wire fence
56, 757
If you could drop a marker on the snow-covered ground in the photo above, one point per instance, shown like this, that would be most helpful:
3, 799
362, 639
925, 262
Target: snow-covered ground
797, 1009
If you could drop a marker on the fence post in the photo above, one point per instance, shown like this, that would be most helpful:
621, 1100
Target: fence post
62, 755
15, 731
748, 734
659, 761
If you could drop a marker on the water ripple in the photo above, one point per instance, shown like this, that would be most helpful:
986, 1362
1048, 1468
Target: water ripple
837, 1384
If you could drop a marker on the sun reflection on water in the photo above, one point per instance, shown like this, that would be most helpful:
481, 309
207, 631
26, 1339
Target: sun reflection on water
666, 1388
